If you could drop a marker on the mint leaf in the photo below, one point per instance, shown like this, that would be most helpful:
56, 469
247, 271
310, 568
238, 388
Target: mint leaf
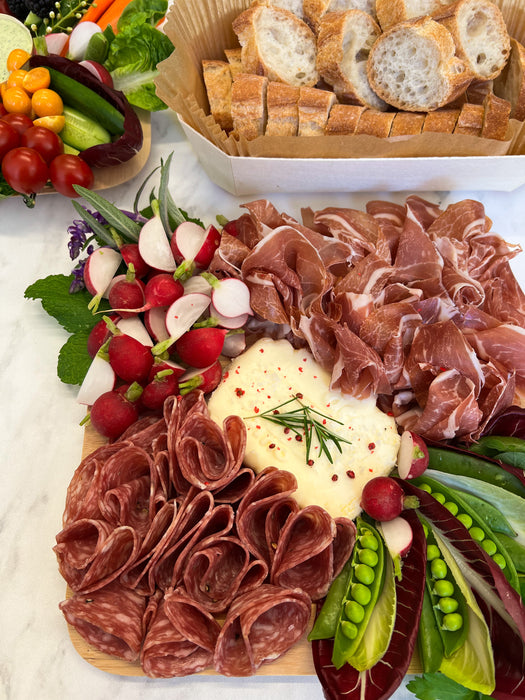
436, 686
74, 359
70, 310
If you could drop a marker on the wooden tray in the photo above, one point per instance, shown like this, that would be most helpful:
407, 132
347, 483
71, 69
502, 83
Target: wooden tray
296, 662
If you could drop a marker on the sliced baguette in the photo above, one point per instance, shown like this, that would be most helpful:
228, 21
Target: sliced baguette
470, 120
480, 35
390, 12
478, 90
343, 119
510, 84
412, 66
495, 117
375, 123
314, 10
407, 124
277, 44
233, 56
218, 82
343, 45
442, 121
313, 109
282, 108
248, 105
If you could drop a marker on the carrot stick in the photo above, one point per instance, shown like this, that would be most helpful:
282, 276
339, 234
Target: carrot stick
96, 10
112, 14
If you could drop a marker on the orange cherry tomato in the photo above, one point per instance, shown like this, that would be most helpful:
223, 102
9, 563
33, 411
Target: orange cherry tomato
17, 100
3, 88
47, 103
36, 79
54, 123
16, 59
16, 78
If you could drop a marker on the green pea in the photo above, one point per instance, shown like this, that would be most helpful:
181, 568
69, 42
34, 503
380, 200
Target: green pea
348, 629
368, 556
465, 519
448, 605
477, 534
443, 588
364, 574
452, 622
425, 487
354, 611
438, 568
440, 498
369, 542
433, 552
499, 559
490, 547
360, 593
451, 507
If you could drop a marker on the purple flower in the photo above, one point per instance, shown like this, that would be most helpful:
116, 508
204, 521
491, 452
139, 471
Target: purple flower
78, 232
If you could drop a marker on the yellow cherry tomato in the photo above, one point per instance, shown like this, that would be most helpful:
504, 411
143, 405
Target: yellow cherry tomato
47, 103
16, 59
3, 88
54, 123
17, 101
16, 78
36, 79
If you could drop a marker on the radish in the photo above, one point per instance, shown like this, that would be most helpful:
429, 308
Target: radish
197, 283
383, 499
205, 380
162, 290
230, 322
230, 296
154, 245
99, 71
99, 270
163, 384
99, 379
180, 317
200, 347
130, 359
127, 294
412, 458
234, 344
79, 39
155, 321
115, 411
131, 254
99, 334
397, 535
134, 327
192, 242
162, 365
56, 42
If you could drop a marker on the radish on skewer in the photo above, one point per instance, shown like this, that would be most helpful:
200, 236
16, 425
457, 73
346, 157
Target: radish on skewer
412, 458
230, 296
191, 242
154, 245
99, 270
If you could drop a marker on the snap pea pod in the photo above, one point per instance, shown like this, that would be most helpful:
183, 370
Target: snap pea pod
493, 517
492, 445
364, 586
465, 464
429, 640
476, 526
515, 459
325, 624
515, 550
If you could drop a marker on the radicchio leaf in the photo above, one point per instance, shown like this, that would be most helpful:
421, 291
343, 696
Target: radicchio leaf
381, 680
510, 422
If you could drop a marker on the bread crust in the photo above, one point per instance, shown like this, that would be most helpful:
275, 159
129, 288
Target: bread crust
282, 109
442, 121
343, 119
375, 123
390, 12
495, 117
248, 105
313, 109
407, 124
470, 120
233, 56
218, 82
314, 10
510, 84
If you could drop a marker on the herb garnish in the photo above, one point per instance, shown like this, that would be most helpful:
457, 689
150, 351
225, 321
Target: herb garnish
303, 422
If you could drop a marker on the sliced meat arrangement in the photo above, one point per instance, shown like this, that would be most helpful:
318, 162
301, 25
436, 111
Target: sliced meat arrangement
166, 538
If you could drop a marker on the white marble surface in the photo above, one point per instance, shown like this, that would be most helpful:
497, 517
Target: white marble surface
40, 439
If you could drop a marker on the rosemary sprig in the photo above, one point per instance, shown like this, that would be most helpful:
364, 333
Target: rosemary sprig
303, 421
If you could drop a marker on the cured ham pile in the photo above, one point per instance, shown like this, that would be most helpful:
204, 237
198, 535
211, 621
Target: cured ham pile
409, 302
183, 559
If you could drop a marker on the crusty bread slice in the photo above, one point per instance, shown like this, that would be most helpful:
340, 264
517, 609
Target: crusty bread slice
495, 118
277, 44
480, 35
510, 84
218, 82
282, 108
248, 105
407, 123
390, 12
441, 121
343, 45
375, 123
412, 66
478, 90
314, 10
470, 120
343, 119
313, 109
233, 56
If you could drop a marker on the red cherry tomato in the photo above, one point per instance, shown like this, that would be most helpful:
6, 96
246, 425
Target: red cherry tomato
3, 110
43, 140
25, 170
67, 170
9, 138
21, 122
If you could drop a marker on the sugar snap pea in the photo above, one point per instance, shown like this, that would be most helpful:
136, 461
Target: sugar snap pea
492, 445
515, 550
490, 514
325, 624
429, 640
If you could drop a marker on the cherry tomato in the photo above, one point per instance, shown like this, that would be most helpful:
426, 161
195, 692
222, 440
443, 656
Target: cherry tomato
20, 122
35, 79
25, 170
45, 141
3, 110
55, 123
17, 100
46, 103
9, 138
67, 170
16, 59
16, 78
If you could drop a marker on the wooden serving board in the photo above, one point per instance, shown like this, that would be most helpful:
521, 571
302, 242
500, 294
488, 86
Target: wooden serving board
296, 662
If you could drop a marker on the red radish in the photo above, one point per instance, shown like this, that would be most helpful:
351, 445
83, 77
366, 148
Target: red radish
192, 242
114, 411
79, 39
383, 499
204, 380
127, 294
99, 71
130, 359
163, 384
231, 322
99, 379
162, 365
131, 255
412, 458
234, 344
154, 245
397, 535
99, 270
180, 317
230, 296
134, 327
162, 290
56, 42
155, 320
197, 283
99, 334
200, 347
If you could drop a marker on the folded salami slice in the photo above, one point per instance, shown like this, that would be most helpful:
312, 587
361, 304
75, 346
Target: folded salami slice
260, 626
109, 619
180, 639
